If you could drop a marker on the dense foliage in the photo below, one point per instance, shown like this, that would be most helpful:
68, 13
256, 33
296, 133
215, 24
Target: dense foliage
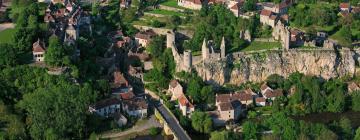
201, 122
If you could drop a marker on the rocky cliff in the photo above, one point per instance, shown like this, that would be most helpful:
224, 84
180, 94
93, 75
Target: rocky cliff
258, 66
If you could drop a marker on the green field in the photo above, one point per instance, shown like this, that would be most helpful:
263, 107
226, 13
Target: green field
254, 46
6, 35
165, 12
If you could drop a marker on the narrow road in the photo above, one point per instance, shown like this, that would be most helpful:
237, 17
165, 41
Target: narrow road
5, 26
152, 122
179, 132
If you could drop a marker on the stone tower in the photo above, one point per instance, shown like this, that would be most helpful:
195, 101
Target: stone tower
205, 50
187, 61
286, 39
222, 48
170, 39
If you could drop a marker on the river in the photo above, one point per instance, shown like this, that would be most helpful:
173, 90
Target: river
327, 117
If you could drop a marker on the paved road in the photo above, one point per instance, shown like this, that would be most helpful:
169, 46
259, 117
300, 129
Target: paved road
173, 124
152, 122
4, 26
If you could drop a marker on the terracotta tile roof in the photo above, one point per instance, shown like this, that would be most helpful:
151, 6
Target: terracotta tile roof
119, 79
136, 104
275, 93
226, 106
127, 96
183, 101
266, 13
197, 2
260, 99
285, 17
39, 46
273, 17
223, 98
242, 96
235, 6
249, 91
264, 86
147, 35
344, 5
106, 102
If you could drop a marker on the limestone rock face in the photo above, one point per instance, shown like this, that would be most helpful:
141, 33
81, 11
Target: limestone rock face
258, 66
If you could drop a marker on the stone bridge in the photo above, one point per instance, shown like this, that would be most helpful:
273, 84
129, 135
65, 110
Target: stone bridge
166, 118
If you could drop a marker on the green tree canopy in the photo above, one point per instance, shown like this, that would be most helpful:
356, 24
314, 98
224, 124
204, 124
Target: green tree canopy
201, 122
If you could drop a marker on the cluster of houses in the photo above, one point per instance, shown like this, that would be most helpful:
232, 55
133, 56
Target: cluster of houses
177, 94
65, 22
229, 106
122, 104
347, 8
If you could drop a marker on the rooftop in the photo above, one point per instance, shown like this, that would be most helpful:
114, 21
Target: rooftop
106, 102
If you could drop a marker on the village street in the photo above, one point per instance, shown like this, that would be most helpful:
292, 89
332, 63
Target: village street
139, 127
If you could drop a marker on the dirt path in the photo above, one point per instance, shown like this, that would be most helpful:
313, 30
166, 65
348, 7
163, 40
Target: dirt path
4, 26
151, 122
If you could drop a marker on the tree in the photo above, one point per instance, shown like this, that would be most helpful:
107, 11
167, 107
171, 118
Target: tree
275, 81
355, 99
336, 100
357, 134
129, 15
11, 124
156, 46
95, 8
346, 129
175, 20
344, 35
249, 130
113, 13
59, 110
55, 52
194, 88
250, 5
7, 55
223, 135
207, 95
201, 122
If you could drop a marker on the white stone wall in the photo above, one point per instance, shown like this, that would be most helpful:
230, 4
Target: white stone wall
38, 56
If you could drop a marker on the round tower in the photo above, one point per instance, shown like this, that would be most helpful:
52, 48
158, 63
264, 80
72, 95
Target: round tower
170, 39
187, 60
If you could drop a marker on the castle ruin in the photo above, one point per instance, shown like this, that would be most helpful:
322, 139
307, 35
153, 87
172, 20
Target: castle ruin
183, 61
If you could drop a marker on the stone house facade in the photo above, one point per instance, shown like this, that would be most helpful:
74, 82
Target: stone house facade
106, 108
38, 51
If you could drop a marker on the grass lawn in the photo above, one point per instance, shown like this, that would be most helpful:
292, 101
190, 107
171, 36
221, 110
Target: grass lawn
254, 46
6, 35
171, 3
338, 37
165, 12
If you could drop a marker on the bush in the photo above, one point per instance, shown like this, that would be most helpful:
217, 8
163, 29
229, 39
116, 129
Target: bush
154, 131
158, 24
